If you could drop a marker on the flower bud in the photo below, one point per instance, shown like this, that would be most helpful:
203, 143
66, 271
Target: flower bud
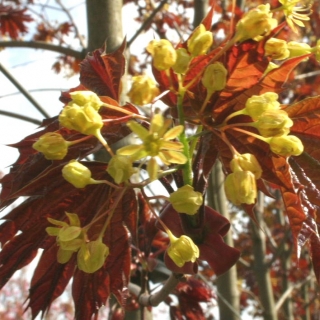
274, 123
277, 49
52, 145
77, 174
256, 23
82, 98
186, 200
256, 105
85, 120
246, 162
240, 187
215, 77
286, 146
200, 41
298, 49
92, 255
182, 250
143, 90
163, 53
120, 168
182, 62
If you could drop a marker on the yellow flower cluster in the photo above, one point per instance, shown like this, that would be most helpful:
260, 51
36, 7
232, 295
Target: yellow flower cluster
166, 57
240, 186
72, 238
156, 144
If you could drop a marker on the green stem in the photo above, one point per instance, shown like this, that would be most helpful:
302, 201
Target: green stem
187, 167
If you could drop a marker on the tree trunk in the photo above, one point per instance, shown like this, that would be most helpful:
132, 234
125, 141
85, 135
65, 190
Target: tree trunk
260, 267
104, 24
200, 11
228, 297
285, 264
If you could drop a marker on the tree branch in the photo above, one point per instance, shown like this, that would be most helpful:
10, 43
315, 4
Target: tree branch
23, 91
43, 45
147, 22
67, 12
153, 300
20, 117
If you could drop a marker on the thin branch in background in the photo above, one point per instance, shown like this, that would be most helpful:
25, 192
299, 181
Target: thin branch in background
43, 45
288, 292
33, 90
307, 75
146, 22
153, 300
67, 12
27, 95
20, 117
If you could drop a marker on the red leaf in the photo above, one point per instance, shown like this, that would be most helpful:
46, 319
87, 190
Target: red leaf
13, 21
49, 280
101, 72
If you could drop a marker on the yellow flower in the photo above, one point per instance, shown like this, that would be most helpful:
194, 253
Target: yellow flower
256, 105
246, 162
84, 119
186, 200
70, 236
215, 77
92, 255
298, 49
295, 14
182, 62
52, 145
274, 123
163, 53
77, 174
286, 146
200, 41
120, 168
256, 23
277, 49
182, 250
143, 90
240, 187
156, 144
83, 98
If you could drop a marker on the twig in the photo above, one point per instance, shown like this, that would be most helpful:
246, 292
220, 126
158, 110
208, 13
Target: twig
146, 22
23, 91
32, 90
289, 290
43, 45
67, 12
153, 300
20, 116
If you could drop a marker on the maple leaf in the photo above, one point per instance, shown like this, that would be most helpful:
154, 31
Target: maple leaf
50, 196
102, 72
13, 21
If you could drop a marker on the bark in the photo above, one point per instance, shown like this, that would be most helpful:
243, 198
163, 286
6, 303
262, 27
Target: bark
285, 264
200, 11
228, 298
104, 24
260, 267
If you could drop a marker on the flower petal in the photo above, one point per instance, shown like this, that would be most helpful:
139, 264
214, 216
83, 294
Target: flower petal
174, 157
173, 132
138, 129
